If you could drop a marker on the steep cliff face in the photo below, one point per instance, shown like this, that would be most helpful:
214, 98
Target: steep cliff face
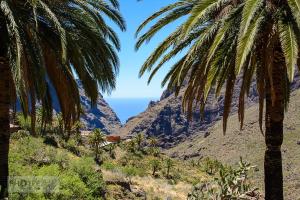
165, 119
99, 116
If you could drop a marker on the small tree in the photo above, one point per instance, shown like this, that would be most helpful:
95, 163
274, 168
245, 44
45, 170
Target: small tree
130, 172
169, 165
78, 125
131, 146
155, 165
139, 141
153, 141
96, 139
153, 144
111, 149
58, 123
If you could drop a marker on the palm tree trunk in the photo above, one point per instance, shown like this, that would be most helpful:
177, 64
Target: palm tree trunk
4, 126
168, 172
97, 153
33, 115
274, 128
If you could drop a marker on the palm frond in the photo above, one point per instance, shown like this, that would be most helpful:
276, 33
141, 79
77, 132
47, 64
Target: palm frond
246, 42
289, 46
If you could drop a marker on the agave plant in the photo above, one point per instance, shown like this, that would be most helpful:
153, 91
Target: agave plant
225, 40
48, 44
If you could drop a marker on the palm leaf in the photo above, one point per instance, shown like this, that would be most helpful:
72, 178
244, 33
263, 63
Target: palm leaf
201, 13
295, 7
289, 46
159, 13
246, 42
250, 9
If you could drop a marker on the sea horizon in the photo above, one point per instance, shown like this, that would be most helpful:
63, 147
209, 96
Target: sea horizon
127, 107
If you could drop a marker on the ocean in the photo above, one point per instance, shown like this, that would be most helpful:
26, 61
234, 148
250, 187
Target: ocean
128, 107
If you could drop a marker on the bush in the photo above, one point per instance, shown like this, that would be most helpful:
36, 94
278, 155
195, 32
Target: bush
155, 165
77, 177
210, 166
51, 140
24, 122
87, 172
230, 184
109, 166
133, 171
20, 134
62, 159
71, 146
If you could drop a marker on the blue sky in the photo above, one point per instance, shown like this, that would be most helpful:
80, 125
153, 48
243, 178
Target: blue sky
129, 85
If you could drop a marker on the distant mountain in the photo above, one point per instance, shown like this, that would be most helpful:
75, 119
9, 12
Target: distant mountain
165, 119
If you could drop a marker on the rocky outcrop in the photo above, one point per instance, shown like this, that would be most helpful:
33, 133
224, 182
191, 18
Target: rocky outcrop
99, 116
165, 119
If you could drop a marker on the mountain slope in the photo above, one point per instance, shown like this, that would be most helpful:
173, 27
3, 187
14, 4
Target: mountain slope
165, 119
249, 143
99, 116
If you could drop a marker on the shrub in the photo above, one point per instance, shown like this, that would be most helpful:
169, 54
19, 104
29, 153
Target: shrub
20, 134
131, 146
109, 166
133, 171
85, 168
155, 165
78, 177
71, 146
24, 122
51, 140
210, 166
230, 184
62, 159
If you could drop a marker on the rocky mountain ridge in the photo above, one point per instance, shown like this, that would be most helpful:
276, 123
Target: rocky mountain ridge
166, 121
99, 116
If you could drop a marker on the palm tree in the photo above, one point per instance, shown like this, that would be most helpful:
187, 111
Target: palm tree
169, 165
229, 39
139, 140
153, 141
47, 44
155, 164
76, 130
96, 139
111, 150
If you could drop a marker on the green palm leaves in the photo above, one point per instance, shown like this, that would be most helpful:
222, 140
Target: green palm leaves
53, 42
222, 39
289, 46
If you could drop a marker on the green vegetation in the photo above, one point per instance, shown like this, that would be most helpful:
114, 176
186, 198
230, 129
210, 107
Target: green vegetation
96, 139
229, 184
224, 41
169, 164
155, 165
78, 177
47, 45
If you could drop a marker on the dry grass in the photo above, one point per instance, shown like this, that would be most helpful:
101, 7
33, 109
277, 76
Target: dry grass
160, 188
